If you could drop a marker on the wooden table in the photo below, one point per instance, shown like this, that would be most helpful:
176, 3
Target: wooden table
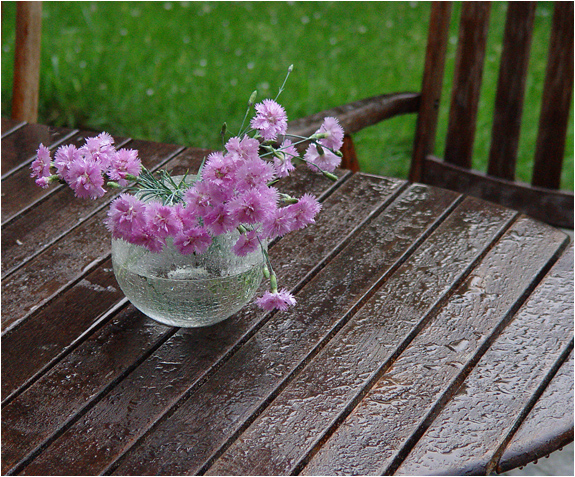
433, 334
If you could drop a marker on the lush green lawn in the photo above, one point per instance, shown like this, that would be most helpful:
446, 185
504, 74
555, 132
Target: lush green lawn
175, 71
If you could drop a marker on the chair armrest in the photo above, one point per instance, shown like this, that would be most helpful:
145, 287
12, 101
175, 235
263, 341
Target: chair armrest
359, 114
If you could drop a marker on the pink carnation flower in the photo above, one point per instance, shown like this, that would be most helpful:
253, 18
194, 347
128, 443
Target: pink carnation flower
65, 157
85, 177
247, 243
304, 211
254, 173
270, 120
101, 149
243, 150
281, 300
252, 206
192, 239
219, 220
161, 220
283, 165
149, 239
124, 162
41, 165
126, 216
219, 170
334, 131
280, 223
327, 161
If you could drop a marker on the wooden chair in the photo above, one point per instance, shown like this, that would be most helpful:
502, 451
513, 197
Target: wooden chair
542, 199
27, 61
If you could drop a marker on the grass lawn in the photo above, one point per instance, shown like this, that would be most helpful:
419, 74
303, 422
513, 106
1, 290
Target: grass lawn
175, 71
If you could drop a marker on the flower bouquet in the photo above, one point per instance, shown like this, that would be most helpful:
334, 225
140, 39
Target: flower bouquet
228, 212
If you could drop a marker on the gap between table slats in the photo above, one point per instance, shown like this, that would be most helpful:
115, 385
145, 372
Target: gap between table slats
369, 441
66, 421
10, 125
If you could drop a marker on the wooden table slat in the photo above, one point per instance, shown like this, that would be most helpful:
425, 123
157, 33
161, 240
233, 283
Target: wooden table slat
426, 374
63, 262
551, 421
88, 360
264, 364
332, 384
470, 432
10, 125
19, 148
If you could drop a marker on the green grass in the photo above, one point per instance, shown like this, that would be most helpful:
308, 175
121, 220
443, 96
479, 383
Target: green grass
175, 71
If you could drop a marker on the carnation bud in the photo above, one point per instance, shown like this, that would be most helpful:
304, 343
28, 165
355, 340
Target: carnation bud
113, 185
330, 176
252, 99
290, 69
320, 150
224, 129
273, 283
338, 153
266, 272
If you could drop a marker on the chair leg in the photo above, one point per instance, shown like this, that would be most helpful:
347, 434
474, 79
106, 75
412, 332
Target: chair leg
349, 160
27, 61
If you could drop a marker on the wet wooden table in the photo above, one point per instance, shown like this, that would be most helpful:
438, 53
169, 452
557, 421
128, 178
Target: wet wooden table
433, 334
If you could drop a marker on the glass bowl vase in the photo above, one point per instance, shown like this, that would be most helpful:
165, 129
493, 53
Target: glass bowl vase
188, 290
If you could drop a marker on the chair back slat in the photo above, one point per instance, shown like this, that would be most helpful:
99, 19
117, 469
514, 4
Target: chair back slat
511, 89
467, 82
556, 100
431, 89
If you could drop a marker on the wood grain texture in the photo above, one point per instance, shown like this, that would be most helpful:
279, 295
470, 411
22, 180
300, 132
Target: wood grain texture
551, 206
62, 263
511, 89
177, 365
10, 125
382, 428
20, 192
431, 87
19, 148
469, 434
467, 83
550, 420
556, 102
26, 83
332, 384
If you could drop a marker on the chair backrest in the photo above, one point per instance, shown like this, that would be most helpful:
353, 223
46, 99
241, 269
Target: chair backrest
542, 198
27, 61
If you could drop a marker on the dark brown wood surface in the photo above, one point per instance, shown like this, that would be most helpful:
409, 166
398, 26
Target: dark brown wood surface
409, 297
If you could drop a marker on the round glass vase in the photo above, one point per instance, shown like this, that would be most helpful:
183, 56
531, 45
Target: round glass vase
188, 290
